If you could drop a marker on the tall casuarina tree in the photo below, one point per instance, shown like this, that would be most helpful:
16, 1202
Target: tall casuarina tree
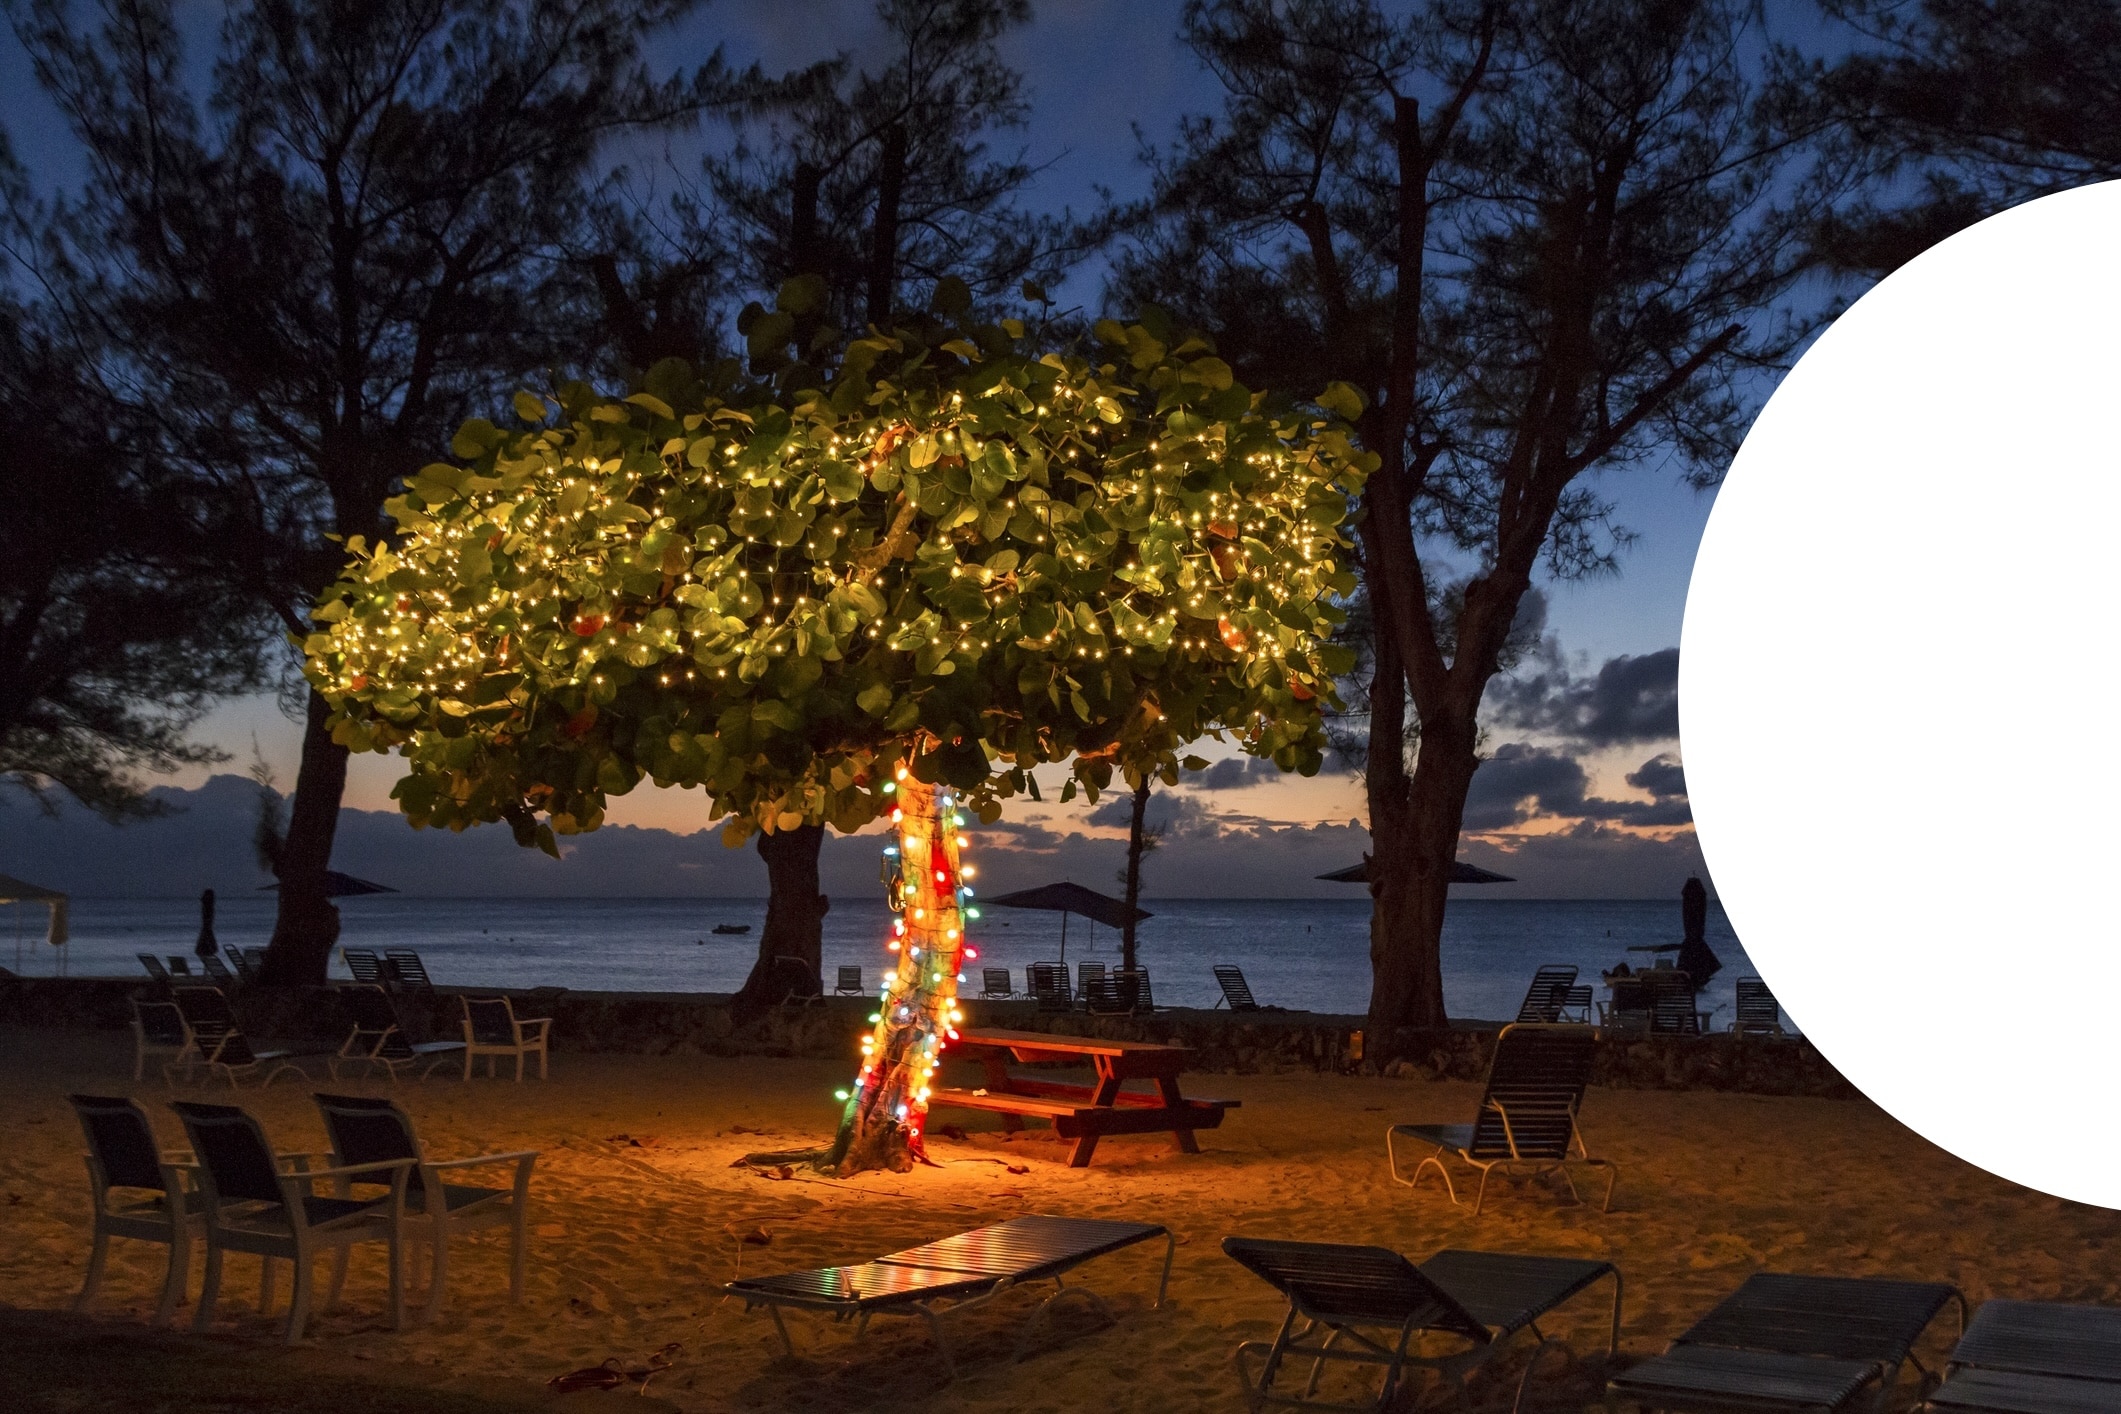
1538, 236
324, 263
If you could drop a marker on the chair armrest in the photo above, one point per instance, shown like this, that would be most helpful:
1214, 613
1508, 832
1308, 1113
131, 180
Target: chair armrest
390, 1166
513, 1157
540, 1022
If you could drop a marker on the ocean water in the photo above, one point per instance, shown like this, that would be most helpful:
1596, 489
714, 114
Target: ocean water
1306, 954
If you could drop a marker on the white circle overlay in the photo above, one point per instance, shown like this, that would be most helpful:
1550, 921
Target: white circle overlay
1902, 611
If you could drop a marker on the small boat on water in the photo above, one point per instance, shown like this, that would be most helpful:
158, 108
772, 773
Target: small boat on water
732, 927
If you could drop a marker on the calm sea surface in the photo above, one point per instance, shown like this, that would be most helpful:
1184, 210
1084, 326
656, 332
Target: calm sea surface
1306, 954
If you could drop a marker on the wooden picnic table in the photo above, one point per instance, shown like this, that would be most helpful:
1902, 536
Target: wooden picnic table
1084, 1113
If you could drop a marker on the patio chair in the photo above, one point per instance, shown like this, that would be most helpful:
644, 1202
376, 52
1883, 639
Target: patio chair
154, 967
159, 1030
404, 966
1756, 1013
246, 964
375, 1131
260, 1203
1085, 974
492, 1028
1527, 1123
850, 983
1544, 998
1576, 1005
2034, 1357
1101, 996
1478, 1299
1627, 1005
1235, 990
1782, 1342
179, 966
122, 1155
213, 967
996, 984
1134, 992
219, 1043
377, 1038
1048, 982
969, 1270
366, 967
1673, 1011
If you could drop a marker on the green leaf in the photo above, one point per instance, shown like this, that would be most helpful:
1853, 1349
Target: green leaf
874, 699
1343, 400
530, 407
952, 296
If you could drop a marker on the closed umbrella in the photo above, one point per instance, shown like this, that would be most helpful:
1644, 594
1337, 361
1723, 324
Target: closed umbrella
207, 945
1461, 873
1065, 899
1695, 958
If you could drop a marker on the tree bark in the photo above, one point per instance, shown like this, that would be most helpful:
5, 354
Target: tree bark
1134, 873
883, 236
791, 945
888, 1106
306, 926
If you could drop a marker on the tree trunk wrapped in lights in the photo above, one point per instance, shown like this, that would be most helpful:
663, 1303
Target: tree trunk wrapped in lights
917, 1013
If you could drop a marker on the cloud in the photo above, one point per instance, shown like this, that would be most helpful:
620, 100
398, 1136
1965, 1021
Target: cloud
1175, 815
1629, 699
1236, 773
1520, 782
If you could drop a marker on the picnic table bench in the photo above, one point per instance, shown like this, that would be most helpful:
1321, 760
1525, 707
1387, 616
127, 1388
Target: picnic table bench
1084, 1113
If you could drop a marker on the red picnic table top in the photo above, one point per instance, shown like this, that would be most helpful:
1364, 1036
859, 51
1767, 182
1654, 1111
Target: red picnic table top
1084, 1113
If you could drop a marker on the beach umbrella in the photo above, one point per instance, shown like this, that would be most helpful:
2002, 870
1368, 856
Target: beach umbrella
1461, 873
1065, 899
207, 945
337, 885
1695, 959
13, 890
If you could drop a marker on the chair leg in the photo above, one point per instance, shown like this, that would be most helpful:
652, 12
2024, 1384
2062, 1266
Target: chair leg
298, 1299
173, 1284
438, 1277
96, 1254
338, 1276
520, 1054
203, 1317
396, 1244
467, 1065
541, 1064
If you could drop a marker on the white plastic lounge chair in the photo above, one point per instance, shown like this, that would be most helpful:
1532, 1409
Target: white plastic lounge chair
1549, 992
159, 1030
968, 1270
1527, 1121
376, 1039
850, 983
220, 1045
122, 1155
1757, 1013
492, 1028
997, 986
366, 967
1338, 1292
1236, 991
261, 1204
373, 1131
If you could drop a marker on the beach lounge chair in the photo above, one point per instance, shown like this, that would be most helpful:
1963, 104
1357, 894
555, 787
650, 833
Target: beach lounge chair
1339, 1292
1627, 1004
122, 1155
492, 1028
212, 967
1085, 974
996, 984
1235, 990
159, 1030
179, 966
1576, 1005
1550, 988
1101, 996
968, 1270
375, 1036
258, 1203
850, 983
403, 966
366, 967
154, 967
1527, 1123
246, 964
1048, 982
1756, 1013
1134, 992
1673, 1011
1783, 1342
219, 1044
2034, 1357
374, 1131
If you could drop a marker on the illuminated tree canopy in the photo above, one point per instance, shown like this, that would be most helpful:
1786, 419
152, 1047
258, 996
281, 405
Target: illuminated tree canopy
960, 551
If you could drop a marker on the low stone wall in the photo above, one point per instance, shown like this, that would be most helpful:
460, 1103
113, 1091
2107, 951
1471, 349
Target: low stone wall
683, 1023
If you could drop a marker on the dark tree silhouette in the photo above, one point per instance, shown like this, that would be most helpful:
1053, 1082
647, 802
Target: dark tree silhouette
117, 630
324, 267
1957, 109
1535, 240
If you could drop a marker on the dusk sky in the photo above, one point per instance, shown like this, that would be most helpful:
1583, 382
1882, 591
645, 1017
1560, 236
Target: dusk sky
1582, 795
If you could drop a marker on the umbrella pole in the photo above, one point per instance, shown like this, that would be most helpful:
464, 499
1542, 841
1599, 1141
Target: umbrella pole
1064, 940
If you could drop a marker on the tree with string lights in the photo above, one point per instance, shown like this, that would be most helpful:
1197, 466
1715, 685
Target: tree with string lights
893, 590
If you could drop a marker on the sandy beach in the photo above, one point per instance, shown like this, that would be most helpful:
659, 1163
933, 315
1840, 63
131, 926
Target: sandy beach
640, 1216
